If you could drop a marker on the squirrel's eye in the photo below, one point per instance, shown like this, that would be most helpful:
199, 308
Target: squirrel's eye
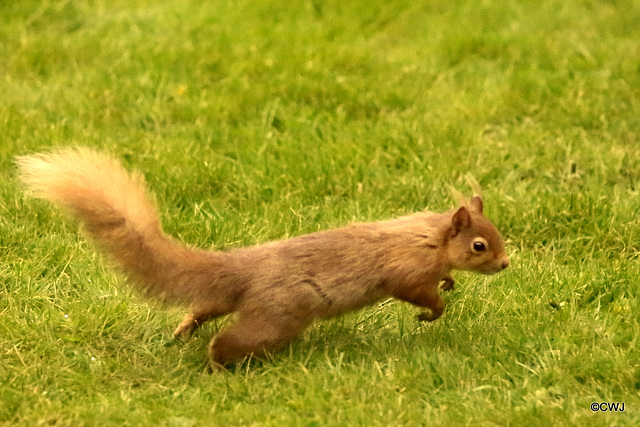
479, 246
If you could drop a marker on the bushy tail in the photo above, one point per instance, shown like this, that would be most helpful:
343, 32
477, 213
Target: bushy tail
119, 216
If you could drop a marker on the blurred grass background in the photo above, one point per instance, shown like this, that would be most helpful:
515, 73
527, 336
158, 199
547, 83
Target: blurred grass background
257, 120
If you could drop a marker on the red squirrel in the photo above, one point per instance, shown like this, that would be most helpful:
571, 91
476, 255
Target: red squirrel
275, 289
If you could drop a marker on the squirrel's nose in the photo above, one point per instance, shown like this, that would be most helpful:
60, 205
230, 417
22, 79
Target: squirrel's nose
505, 263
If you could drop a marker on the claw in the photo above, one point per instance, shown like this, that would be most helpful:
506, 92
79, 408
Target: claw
447, 284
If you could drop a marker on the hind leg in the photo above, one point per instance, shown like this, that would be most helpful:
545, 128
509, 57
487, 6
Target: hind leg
254, 335
193, 321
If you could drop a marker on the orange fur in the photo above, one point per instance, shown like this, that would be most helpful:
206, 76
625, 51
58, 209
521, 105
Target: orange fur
276, 289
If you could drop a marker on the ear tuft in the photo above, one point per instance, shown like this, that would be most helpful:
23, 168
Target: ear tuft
476, 204
460, 220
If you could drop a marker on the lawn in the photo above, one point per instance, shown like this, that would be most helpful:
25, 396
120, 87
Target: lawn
260, 120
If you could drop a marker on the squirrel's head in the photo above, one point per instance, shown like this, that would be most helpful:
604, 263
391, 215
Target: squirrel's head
474, 243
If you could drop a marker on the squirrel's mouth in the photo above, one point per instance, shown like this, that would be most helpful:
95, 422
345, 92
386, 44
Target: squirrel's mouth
497, 266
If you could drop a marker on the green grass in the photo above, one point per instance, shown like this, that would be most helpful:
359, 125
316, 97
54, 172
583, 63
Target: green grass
256, 120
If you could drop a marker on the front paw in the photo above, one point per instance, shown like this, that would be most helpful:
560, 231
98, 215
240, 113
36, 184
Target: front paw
447, 284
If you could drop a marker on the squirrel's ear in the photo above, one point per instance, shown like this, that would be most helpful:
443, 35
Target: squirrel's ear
460, 220
476, 204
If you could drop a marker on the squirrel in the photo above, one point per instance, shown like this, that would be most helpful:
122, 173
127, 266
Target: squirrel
275, 289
